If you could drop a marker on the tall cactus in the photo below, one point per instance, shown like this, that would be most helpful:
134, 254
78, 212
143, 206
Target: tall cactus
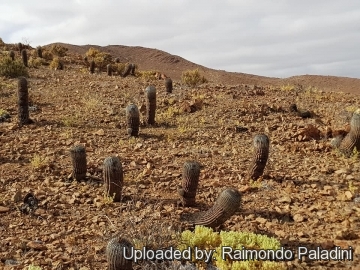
191, 173
109, 70
23, 102
39, 51
261, 154
352, 139
115, 256
92, 67
24, 57
150, 93
20, 46
168, 85
78, 158
12, 55
225, 206
113, 178
128, 70
133, 120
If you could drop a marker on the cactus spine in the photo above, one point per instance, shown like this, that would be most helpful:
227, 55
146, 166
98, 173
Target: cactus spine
133, 120
78, 158
150, 93
113, 178
115, 256
23, 102
191, 173
261, 154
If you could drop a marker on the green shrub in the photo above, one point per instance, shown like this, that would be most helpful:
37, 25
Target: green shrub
192, 78
205, 238
12, 69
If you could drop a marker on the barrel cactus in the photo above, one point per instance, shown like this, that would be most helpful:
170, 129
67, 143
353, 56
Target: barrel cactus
39, 51
115, 256
150, 93
78, 158
113, 178
224, 207
191, 173
352, 139
24, 58
92, 67
23, 102
133, 120
261, 154
12, 55
168, 85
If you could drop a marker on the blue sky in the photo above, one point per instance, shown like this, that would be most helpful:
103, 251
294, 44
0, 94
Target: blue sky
271, 38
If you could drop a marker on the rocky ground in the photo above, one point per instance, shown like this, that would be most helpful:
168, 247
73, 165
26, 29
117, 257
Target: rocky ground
309, 195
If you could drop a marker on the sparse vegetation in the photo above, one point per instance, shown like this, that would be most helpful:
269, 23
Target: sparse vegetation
12, 69
192, 78
58, 50
101, 59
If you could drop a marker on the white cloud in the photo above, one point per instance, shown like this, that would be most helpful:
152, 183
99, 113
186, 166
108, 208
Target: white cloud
272, 38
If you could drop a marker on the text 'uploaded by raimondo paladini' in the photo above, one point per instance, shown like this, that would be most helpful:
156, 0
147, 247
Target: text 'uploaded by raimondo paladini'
243, 254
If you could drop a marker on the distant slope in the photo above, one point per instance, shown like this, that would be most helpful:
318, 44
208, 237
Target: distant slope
173, 66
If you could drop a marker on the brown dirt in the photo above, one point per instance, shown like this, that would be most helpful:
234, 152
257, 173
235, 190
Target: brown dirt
307, 196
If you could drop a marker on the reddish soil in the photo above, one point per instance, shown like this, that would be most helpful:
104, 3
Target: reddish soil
308, 195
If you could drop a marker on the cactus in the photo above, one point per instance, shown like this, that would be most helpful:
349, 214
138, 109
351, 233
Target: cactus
261, 154
12, 55
191, 173
352, 139
133, 120
109, 70
92, 67
23, 102
225, 206
127, 71
24, 57
150, 92
113, 178
168, 85
39, 51
132, 69
20, 46
117, 60
78, 158
114, 254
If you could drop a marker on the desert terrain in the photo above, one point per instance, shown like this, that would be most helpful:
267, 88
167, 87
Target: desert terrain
309, 194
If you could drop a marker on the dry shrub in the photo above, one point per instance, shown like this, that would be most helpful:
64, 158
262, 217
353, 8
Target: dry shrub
148, 75
35, 62
55, 64
102, 59
58, 50
192, 78
47, 55
12, 69
118, 67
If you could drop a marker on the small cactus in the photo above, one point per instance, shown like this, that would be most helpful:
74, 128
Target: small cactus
133, 120
12, 55
115, 256
109, 70
23, 102
113, 178
132, 70
225, 206
150, 93
92, 67
128, 70
261, 154
168, 85
78, 158
191, 173
24, 57
20, 46
352, 139
39, 51
117, 60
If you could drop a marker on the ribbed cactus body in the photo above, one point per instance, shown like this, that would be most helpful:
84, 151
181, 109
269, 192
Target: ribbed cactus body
191, 173
92, 67
150, 93
115, 256
261, 154
132, 120
225, 206
12, 55
23, 101
129, 70
113, 178
168, 85
109, 70
24, 57
20, 46
132, 71
352, 139
39, 51
78, 158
